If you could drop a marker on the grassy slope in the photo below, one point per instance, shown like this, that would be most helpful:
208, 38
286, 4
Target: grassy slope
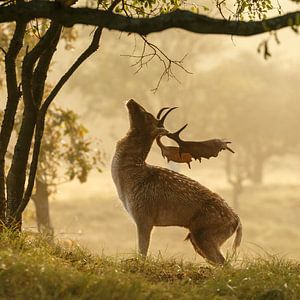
30, 268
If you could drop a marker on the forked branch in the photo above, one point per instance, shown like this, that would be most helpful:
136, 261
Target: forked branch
150, 52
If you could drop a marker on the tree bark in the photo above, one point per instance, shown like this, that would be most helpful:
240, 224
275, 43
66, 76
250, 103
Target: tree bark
33, 81
32, 98
13, 96
41, 202
186, 20
93, 47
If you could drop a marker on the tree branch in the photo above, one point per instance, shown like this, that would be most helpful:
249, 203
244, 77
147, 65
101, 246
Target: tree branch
29, 62
41, 71
145, 57
180, 19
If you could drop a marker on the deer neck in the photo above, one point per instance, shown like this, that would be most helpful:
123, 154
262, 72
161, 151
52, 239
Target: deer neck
133, 149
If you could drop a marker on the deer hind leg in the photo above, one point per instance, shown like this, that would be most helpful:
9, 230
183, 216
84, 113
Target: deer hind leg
144, 233
206, 247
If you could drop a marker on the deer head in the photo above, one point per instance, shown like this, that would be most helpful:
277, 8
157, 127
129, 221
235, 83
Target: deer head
144, 122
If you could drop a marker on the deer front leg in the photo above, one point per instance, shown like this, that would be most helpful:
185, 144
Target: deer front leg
144, 233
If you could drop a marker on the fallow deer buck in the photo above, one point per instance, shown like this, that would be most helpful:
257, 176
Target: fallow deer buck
156, 196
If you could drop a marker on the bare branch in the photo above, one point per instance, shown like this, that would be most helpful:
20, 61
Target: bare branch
3, 50
180, 19
144, 58
113, 5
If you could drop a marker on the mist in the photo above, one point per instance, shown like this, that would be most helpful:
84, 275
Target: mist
230, 91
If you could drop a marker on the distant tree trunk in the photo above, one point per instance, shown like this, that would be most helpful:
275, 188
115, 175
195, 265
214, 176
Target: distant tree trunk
41, 202
258, 170
237, 189
236, 175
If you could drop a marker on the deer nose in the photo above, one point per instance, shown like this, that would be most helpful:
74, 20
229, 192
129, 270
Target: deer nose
130, 102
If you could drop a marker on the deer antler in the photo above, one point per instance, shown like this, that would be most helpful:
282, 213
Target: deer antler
197, 150
171, 152
162, 120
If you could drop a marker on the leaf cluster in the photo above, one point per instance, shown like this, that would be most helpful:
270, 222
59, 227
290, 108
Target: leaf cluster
67, 151
67, 146
253, 9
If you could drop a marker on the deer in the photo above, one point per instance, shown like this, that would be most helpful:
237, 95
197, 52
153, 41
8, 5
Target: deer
156, 196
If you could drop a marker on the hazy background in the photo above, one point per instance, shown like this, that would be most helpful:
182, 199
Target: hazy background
232, 93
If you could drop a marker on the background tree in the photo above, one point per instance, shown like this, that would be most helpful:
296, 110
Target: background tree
67, 153
261, 128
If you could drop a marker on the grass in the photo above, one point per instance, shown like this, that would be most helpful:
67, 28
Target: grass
32, 268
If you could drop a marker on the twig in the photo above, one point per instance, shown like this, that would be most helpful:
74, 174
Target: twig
3, 50
144, 58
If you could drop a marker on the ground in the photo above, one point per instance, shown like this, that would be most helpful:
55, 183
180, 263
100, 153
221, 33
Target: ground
32, 268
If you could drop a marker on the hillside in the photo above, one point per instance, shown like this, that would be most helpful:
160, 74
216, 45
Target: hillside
31, 268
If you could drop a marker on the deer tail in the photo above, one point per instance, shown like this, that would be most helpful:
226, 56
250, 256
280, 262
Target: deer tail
238, 236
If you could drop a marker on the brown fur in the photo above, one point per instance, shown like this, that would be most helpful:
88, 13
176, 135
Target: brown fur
155, 196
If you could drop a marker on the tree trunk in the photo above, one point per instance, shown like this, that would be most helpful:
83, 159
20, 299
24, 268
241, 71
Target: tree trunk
41, 202
17, 174
13, 96
35, 66
236, 192
34, 73
257, 172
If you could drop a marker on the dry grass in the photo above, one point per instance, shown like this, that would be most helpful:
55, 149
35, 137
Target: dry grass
31, 268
